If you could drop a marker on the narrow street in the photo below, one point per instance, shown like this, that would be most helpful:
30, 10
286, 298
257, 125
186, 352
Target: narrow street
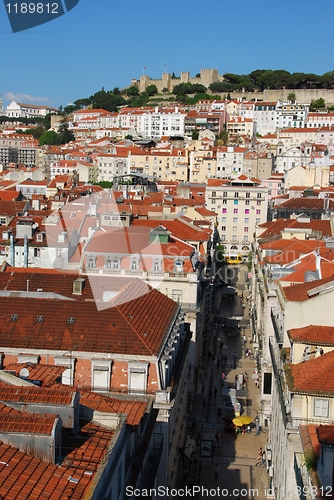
234, 456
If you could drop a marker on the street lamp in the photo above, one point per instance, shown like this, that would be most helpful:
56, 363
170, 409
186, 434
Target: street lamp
256, 420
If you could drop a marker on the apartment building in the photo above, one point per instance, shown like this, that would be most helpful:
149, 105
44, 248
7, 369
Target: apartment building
289, 114
242, 204
230, 161
240, 126
265, 117
127, 338
20, 110
197, 121
166, 163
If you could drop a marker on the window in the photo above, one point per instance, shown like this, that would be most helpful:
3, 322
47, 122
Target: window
321, 407
234, 237
223, 237
258, 211
137, 377
223, 228
247, 202
246, 229
235, 220
156, 266
258, 195
134, 264
223, 219
257, 220
213, 201
258, 202
91, 261
246, 220
247, 195
236, 195
235, 202
224, 211
224, 194
37, 252
267, 383
177, 295
235, 210
101, 375
108, 263
224, 202
235, 229
214, 194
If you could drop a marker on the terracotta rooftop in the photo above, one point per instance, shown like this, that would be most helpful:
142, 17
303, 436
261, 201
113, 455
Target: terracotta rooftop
275, 228
15, 421
36, 395
134, 322
46, 374
312, 334
23, 476
299, 293
133, 409
312, 376
325, 434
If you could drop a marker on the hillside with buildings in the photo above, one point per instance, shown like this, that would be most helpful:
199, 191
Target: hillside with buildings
109, 245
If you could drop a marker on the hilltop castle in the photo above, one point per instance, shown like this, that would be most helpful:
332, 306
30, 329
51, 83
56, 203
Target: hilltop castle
206, 77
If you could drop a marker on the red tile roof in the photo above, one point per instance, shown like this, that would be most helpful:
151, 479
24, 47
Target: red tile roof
312, 334
312, 376
325, 434
298, 293
46, 374
15, 421
23, 476
134, 410
136, 321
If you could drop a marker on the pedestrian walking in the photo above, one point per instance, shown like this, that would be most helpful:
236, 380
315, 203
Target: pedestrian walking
225, 359
221, 345
257, 430
215, 473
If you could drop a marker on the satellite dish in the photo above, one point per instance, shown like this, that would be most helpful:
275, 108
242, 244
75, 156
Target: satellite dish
24, 373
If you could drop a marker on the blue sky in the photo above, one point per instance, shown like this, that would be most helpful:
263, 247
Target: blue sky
105, 43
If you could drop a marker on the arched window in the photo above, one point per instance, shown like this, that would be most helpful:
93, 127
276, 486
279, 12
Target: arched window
156, 265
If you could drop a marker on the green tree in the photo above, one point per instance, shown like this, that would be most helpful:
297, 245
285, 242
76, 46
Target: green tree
291, 96
50, 138
151, 90
131, 91
220, 87
70, 108
65, 135
318, 104
194, 135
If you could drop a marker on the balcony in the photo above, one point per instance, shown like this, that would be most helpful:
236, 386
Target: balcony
278, 325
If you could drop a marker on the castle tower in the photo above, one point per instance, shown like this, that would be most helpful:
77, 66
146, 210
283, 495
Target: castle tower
209, 76
144, 82
185, 77
167, 82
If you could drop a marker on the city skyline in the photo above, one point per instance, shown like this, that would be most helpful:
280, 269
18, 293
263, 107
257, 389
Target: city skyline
95, 46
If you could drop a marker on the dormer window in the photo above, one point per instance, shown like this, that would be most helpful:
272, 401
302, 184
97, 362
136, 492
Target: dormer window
156, 265
91, 261
134, 266
108, 263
